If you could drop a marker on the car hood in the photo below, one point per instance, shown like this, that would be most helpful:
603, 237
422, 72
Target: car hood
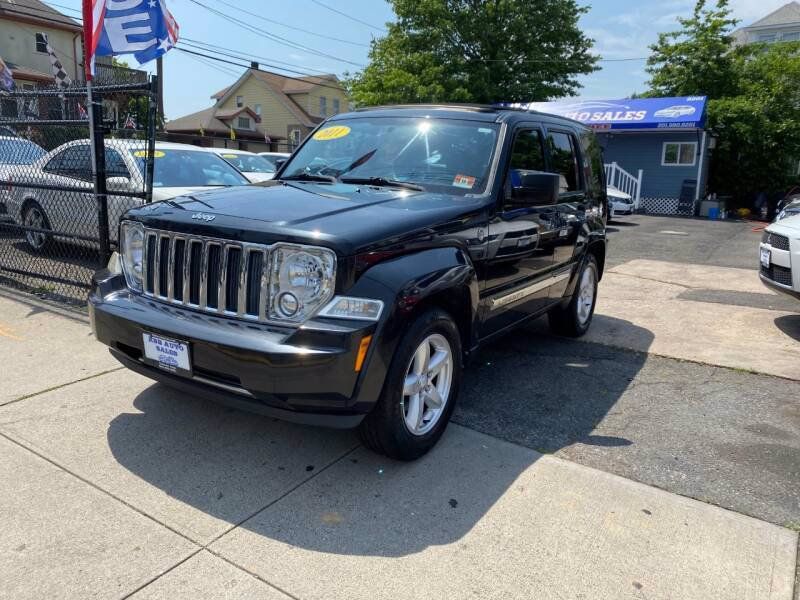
166, 193
346, 217
788, 226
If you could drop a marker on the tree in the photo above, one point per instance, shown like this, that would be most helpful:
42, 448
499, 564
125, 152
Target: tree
476, 51
696, 60
759, 125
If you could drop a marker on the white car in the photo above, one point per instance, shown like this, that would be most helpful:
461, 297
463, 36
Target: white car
779, 256
55, 193
673, 112
619, 203
15, 152
253, 166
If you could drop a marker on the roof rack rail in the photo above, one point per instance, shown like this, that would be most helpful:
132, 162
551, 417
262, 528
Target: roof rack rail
487, 108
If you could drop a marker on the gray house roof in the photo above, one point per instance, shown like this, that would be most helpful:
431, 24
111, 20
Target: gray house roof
785, 15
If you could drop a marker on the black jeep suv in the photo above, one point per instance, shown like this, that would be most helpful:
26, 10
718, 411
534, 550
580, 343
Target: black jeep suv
350, 289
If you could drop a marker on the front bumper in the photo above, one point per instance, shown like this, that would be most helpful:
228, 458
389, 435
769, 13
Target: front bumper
304, 375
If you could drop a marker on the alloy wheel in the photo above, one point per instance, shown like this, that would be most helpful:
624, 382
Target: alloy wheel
426, 388
586, 293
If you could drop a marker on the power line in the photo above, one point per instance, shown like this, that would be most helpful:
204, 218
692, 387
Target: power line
272, 36
344, 14
247, 66
320, 35
241, 53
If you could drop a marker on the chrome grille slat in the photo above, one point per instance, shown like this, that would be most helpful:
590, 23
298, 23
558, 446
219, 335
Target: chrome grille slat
174, 278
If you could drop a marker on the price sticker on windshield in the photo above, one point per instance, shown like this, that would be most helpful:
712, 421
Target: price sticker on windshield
143, 154
464, 181
332, 133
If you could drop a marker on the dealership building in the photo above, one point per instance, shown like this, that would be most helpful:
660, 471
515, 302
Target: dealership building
656, 149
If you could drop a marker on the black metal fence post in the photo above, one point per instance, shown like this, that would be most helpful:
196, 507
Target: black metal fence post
99, 163
152, 115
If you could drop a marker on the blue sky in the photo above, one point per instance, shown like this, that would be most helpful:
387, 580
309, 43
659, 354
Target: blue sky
620, 31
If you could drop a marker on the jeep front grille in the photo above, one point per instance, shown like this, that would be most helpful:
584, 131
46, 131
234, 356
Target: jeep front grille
208, 274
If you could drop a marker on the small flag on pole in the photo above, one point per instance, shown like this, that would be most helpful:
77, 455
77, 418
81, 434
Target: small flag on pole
63, 80
130, 122
6, 77
82, 114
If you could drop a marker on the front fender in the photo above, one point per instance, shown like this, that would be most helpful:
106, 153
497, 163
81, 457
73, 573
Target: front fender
444, 276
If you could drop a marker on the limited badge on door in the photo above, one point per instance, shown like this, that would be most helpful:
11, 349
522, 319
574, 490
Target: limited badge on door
170, 355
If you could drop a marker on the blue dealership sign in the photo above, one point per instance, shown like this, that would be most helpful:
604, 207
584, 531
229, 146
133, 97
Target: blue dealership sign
641, 113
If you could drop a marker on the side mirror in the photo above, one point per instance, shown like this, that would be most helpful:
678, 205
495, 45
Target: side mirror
118, 184
279, 163
534, 188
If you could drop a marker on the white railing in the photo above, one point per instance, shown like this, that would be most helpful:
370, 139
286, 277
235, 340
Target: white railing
624, 181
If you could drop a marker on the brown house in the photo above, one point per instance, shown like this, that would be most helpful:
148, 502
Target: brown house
262, 112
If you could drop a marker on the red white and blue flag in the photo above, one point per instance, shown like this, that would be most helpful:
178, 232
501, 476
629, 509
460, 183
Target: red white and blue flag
144, 28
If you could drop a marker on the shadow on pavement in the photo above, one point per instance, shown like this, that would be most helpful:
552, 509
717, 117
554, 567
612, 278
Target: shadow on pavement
790, 325
540, 391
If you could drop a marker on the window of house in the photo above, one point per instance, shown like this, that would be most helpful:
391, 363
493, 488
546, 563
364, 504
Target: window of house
675, 154
239, 101
28, 87
336, 106
767, 37
792, 36
564, 160
257, 108
243, 123
294, 137
41, 43
323, 106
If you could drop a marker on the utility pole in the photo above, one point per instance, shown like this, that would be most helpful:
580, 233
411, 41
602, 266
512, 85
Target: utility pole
160, 92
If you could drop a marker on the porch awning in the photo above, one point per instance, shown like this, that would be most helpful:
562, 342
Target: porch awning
630, 114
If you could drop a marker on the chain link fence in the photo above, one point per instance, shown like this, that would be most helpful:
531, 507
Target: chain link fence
59, 216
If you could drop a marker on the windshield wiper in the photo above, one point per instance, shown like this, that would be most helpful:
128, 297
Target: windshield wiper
383, 182
309, 177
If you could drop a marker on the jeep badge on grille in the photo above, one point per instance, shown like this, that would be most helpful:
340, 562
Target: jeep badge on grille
203, 217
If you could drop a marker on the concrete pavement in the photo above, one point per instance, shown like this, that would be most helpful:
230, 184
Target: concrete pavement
115, 487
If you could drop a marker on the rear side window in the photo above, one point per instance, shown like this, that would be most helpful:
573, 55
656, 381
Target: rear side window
564, 160
593, 167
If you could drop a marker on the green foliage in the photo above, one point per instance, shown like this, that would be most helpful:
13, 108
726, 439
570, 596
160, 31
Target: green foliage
759, 123
476, 51
754, 99
695, 60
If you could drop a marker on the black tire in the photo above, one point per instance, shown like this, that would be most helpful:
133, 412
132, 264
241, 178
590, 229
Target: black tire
384, 430
570, 320
33, 215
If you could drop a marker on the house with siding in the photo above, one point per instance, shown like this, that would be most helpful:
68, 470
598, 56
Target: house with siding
262, 112
656, 149
26, 27
782, 25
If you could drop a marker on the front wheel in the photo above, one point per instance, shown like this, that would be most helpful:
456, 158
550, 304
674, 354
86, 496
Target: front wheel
420, 390
36, 223
574, 319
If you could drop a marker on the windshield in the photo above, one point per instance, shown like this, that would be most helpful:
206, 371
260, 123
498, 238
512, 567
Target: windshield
447, 155
189, 168
19, 152
249, 163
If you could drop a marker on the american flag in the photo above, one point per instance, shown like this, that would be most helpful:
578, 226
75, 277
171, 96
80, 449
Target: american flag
130, 122
82, 114
150, 29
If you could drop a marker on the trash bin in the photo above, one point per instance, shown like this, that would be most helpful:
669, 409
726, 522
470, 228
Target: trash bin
713, 213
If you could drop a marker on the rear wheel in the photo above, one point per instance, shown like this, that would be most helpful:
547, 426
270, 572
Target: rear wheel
420, 390
574, 319
36, 223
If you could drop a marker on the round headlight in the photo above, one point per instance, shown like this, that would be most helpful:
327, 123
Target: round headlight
302, 281
132, 247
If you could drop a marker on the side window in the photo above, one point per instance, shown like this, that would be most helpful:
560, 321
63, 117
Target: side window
76, 161
527, 154
593, 167
54, 164
564, 160
115, 165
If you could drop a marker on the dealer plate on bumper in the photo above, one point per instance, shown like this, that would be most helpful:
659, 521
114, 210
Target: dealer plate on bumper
766, 257
170, 355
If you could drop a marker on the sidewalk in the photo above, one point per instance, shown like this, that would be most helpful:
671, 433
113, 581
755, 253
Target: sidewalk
116, 487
